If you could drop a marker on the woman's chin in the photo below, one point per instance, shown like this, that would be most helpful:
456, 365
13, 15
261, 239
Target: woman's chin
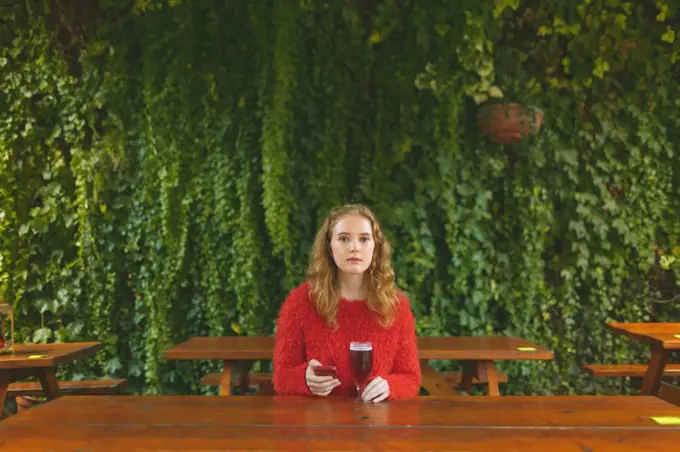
353, 269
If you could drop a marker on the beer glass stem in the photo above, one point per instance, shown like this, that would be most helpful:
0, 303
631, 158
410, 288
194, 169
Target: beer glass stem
359, 399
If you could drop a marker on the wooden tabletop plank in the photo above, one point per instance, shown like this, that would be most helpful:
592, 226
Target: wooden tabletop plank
483, 348
47, 355
222, 348
663, 334
588, 412
459, 348
107, 439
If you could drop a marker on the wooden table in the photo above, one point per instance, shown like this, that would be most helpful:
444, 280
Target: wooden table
478, 353
576, 423
661, 337
40, 360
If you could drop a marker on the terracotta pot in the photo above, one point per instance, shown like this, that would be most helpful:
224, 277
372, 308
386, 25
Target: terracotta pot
509, 123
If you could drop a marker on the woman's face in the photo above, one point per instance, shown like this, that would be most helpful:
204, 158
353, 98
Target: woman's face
352, 244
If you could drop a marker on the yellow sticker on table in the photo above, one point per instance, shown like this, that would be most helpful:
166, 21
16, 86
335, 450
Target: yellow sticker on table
666, 420
37, 356
526, 349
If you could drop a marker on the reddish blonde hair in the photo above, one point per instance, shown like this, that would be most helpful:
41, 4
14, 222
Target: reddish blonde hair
322, 273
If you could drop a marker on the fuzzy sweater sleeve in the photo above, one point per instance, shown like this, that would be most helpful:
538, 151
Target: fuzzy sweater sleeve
405, 378
290, 361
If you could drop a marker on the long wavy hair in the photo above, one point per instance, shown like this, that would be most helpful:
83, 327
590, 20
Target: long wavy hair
322, 273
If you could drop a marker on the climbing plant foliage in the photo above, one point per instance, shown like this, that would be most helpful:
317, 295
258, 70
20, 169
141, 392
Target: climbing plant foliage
164, 166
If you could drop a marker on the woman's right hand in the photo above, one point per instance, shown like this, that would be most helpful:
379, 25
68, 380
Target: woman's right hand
321, 386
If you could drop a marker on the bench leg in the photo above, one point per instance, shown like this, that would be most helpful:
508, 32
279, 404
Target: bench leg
652, 381
25, 402
48, 381
8, 376
434, 382
266, 389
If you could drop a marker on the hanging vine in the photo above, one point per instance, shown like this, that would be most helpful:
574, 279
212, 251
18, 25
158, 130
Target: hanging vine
165, 164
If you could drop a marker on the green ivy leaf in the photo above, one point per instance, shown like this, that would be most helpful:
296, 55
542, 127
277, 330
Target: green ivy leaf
113, 365
42, 335
621, 20
495, 92
23, 229
601, 67
663, 11
97, 48
502, 4
442, 29
669, 35
544, 30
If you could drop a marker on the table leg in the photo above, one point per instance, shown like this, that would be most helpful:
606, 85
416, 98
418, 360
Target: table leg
48, 381
225, 383
655, 369
5, 380
9, 376
434, 382
244, 377
470, 371
486, 371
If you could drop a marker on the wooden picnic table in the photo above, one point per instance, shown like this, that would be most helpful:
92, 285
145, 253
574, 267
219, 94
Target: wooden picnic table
662, 339
40, 360
477, 352
533, 423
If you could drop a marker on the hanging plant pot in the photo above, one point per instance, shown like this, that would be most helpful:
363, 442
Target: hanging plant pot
509, 123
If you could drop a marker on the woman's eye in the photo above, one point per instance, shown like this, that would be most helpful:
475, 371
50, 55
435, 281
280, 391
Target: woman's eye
364, 239
343, 239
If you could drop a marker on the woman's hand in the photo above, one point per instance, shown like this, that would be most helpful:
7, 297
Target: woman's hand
376, 391
321, 386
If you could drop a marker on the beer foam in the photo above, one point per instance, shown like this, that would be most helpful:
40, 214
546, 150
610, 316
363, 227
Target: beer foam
360, 346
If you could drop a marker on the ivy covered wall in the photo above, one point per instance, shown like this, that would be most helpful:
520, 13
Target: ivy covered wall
164, 166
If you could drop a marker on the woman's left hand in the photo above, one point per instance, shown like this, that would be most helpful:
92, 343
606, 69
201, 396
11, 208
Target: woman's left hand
376, 391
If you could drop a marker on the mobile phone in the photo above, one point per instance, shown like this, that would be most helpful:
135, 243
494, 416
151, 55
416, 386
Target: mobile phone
326, 371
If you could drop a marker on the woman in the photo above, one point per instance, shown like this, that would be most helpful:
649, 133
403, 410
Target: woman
349, 296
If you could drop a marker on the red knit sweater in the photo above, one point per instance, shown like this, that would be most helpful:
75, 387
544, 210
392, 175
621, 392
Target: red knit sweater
303, 335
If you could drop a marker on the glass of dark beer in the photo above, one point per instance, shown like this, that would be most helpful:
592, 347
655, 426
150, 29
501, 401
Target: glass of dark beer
360, 364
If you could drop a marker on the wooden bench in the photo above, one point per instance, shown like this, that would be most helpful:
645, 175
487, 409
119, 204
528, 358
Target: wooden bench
77, 387
26, 393
455, 378
626, 370
669, 393
261, 379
